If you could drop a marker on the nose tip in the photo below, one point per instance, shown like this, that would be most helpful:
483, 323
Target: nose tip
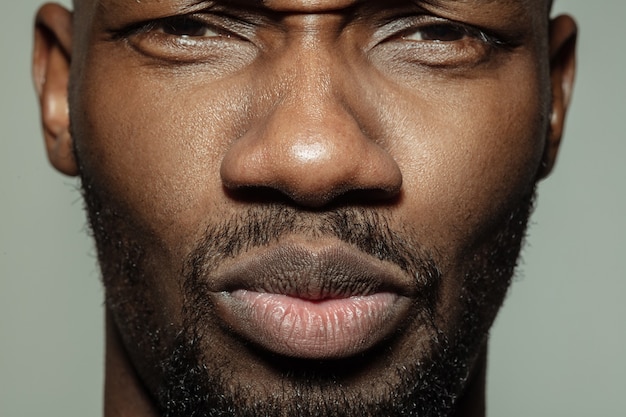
311, 165
311, 138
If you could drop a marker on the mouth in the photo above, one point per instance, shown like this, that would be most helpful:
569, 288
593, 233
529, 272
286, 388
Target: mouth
328, 301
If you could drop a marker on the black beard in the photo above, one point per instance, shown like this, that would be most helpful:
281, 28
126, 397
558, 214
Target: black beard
188, 385
427, 389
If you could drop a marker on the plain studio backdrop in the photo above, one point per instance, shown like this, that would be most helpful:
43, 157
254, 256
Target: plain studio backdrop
558, 346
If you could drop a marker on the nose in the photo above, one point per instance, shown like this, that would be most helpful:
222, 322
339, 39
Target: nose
310, 146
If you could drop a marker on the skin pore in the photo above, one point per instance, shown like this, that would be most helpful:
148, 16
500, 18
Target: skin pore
329, 151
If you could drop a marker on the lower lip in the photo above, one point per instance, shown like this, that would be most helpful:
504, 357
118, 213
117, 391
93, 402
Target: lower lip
326, 329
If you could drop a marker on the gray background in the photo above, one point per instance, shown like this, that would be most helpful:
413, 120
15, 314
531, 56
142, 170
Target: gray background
558, 345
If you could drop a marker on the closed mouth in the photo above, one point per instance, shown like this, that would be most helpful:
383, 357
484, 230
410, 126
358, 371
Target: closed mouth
322, 302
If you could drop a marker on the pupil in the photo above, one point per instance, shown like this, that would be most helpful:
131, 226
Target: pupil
442, 33
184, 27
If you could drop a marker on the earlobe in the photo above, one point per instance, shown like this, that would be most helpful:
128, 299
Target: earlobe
51, 68
563, 35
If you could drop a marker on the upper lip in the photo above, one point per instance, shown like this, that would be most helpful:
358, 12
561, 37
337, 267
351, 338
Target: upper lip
312, 272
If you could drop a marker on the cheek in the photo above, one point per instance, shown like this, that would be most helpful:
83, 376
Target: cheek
467, 148
471, 151
155, 143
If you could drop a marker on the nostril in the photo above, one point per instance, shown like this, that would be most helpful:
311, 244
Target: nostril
365, 197
258, 195
309, 161
264, 195
283, 195
310, 175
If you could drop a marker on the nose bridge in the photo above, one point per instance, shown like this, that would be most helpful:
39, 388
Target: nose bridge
308, 144
312, 110
312, 77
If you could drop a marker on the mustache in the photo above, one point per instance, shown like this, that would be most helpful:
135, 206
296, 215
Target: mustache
368, 230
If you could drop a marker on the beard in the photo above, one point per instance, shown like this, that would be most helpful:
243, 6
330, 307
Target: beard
186, 379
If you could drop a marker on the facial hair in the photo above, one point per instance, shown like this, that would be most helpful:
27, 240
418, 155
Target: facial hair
188, 384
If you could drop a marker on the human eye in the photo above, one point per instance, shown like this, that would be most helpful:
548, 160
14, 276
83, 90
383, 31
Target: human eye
186, 27
437, 33
443, 43
193, 38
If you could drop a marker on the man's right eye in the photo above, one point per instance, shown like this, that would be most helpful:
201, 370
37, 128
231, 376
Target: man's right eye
192, 38
187, 27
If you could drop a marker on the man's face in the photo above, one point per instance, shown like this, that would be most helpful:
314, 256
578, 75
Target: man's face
308, 208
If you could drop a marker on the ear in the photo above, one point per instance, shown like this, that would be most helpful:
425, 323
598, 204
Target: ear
563, 35
51, 69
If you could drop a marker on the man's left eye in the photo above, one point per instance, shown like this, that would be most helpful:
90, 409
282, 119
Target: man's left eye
437, 33
187, 27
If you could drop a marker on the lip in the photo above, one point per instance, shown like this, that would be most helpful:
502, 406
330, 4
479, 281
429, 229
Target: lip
313, 302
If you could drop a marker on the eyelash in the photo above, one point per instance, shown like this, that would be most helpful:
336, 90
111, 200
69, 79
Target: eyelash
205, 37
490, 38
455, 29
414, 24
145, 27
185, 22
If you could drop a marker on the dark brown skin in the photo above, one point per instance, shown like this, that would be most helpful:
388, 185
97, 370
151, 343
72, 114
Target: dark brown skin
326, 104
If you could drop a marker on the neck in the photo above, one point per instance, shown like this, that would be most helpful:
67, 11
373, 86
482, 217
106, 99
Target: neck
124, 394
472, 401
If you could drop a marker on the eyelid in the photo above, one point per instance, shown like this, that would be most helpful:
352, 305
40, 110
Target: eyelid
403, 25
476, 48
462, 30
208, 19
172, 23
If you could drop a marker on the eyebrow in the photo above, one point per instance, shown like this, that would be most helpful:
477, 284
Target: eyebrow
184, 3
515, 5
195, 4
441, 2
